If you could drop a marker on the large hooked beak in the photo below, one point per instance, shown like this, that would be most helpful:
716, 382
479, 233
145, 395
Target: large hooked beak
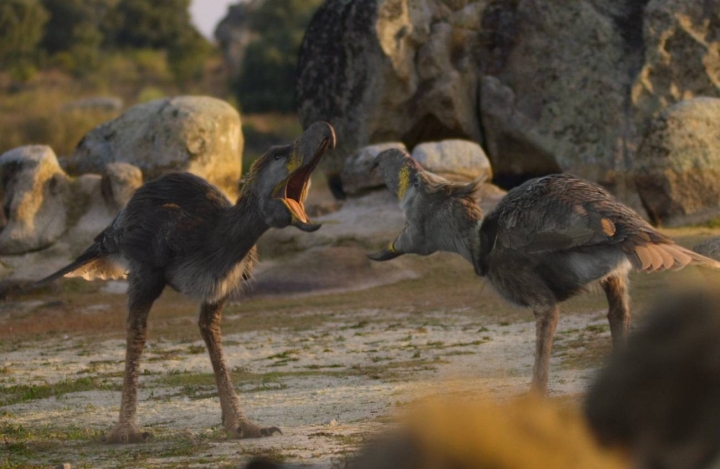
306, 155
399, 170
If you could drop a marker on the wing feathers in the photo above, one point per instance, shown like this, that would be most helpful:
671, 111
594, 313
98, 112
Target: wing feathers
659, 257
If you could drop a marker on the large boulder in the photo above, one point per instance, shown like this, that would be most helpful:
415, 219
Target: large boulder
34, 190
201, 135
678, 164
457, 160
544, 85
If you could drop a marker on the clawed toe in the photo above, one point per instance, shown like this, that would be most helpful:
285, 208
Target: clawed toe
268, 431
124, 434
246, 429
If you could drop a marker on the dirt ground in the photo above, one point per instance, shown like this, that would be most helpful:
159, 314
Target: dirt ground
330, 369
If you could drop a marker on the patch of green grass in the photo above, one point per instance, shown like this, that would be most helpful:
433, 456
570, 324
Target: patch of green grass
23, 392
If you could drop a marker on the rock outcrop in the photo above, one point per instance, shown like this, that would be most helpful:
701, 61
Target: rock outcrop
44, 206
544, 86
234, 33
34, 199
678, 164
201, 135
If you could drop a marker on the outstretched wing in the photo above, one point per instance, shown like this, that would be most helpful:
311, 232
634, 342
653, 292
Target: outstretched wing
562, 212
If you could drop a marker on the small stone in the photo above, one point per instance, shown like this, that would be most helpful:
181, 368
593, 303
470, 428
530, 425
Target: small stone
332, 423
65, 465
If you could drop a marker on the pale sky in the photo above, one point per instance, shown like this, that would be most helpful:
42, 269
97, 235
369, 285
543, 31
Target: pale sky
207, 14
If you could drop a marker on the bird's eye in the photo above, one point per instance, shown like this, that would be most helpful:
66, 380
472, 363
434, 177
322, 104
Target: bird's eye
277, 156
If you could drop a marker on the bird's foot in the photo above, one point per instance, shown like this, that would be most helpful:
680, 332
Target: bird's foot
241, 428
124, 433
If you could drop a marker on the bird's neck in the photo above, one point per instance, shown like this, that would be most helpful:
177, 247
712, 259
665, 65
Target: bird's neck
462, 233
241, 228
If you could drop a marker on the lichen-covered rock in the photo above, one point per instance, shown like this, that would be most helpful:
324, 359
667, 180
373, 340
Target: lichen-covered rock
120, 182
382, 70
201, 135
677, 168
357, 175
682, 56
390, 70
543, 85
34, 199
454, 159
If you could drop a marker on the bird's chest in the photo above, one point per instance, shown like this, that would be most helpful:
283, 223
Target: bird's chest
206, 282
516, 278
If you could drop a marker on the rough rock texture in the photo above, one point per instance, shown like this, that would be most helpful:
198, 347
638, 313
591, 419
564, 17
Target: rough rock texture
233, 34
357, 175
120, 182
543, 85
454, 159
201, 135
678, 164
709, 247
34, 199
682, 56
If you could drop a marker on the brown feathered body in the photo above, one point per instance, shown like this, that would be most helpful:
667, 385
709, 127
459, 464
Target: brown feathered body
552, 236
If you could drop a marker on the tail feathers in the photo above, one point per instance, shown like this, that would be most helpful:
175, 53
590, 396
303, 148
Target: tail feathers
85, 258
652, 257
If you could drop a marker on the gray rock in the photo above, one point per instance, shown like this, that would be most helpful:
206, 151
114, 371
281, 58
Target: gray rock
35, 189
201, 135
681, 59
454, 159
120, 182
709, 248
678, 164
357, 175
544, 85
234, 33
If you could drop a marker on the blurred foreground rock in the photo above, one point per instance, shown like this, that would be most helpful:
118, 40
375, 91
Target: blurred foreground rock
197, 134
678, 164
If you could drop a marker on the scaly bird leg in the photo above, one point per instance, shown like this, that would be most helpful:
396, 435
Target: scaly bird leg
615, 287
235, 423
143, 291
545, 324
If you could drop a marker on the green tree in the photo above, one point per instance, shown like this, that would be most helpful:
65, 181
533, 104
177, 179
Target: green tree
162, 25
267, 80
74, 33
21, 29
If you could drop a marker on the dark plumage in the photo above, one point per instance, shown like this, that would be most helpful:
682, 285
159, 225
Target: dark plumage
181, 231
545, 242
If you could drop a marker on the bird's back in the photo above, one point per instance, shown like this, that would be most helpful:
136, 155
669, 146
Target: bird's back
560, 232
166, 217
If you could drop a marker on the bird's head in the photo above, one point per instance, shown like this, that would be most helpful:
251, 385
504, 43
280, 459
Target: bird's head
437, 212
280, 179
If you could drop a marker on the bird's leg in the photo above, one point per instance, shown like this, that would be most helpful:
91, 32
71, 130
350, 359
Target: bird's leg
615, 287
143, 291
546, 320
235, 423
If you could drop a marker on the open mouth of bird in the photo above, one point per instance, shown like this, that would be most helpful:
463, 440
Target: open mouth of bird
294, 191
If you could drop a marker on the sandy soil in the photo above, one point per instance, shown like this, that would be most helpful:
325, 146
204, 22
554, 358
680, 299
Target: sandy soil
329, 369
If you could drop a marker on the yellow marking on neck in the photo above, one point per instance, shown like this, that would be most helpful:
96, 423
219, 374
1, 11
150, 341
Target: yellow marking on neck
294, 161
403, 181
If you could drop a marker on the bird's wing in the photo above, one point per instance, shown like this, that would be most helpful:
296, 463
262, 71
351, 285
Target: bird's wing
563, 212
